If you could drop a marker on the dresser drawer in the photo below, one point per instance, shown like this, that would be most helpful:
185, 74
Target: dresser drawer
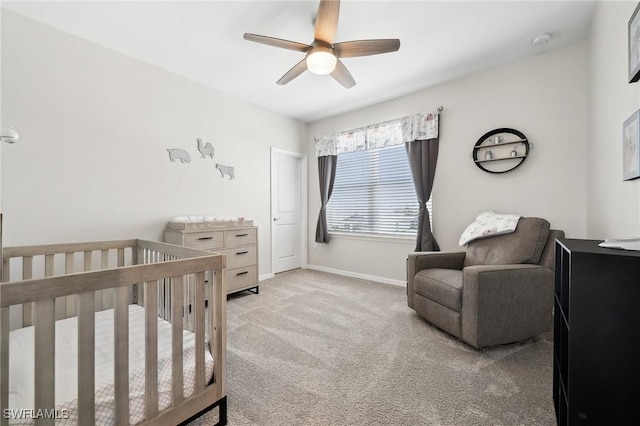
240, 256
205, 240
241, 278
240, 237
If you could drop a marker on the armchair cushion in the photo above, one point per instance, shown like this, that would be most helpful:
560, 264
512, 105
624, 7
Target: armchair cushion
505, 303
440, 285
525, 245
426, 260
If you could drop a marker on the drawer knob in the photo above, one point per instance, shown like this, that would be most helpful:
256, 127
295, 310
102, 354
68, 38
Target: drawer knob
242, 273
205, 238
242, 252
242, 235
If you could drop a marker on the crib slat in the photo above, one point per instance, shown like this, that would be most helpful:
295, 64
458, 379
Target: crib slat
120, 257
4, 363
68, 269
104, 259
44, 339
86, 359
121, 355
6, 269
88, 266
151, 347
88, 257
60, 305
27, 273
166, 303
190, 296
219, 313
177, 374
133, 289
211, 297
138, 288
107, 295
27, 267
186, 301
198, 315
121, 262
48, 265
160, 298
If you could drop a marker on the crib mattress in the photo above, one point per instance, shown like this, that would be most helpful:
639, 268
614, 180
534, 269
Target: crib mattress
21, 367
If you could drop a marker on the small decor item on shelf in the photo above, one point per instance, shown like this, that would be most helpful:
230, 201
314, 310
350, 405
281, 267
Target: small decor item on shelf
226, 170
488, 155
497, 139
179, 154
514, 153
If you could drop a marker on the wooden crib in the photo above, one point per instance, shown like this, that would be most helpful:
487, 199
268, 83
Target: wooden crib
45, 284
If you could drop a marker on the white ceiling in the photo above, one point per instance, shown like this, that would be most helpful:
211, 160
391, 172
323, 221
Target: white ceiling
202, 40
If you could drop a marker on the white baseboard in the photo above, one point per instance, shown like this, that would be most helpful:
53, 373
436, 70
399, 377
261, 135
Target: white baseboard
357, 275
265, 277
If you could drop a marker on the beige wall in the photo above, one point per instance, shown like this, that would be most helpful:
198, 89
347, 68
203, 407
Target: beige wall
94, 125
94, 128
613, 205
544, 97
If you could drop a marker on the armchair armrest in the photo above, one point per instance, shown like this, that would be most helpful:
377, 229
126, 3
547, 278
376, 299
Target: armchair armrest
503, 303
418, 261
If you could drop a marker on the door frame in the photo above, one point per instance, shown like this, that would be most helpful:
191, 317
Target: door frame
302, 160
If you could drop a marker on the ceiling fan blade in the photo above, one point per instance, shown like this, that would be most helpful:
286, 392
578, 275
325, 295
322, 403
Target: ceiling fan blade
277, 42
350, 49
342, 75
327, 20
297, 69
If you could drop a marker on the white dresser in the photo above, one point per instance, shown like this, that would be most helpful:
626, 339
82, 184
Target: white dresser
238, 240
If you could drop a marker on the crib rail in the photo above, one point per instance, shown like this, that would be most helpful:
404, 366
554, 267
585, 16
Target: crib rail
168, 279
28, 262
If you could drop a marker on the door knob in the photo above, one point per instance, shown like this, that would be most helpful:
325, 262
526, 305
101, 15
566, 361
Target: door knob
275, 219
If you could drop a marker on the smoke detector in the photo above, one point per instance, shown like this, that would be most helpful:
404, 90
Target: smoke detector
541, 39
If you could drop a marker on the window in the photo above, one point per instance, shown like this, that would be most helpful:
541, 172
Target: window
374, 194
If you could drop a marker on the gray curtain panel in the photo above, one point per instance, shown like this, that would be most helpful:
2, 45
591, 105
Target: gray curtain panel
423, 156
327, 174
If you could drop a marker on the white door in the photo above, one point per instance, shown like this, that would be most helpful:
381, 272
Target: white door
285, 211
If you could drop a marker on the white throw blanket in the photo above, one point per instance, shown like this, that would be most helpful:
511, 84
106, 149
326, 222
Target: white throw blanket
489, 224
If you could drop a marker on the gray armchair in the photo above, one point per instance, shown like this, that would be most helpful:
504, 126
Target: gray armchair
499, 291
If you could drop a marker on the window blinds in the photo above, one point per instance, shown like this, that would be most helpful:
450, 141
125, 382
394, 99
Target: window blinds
373, 193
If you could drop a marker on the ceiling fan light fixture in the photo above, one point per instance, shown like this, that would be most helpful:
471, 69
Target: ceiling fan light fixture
321, 61
323, 56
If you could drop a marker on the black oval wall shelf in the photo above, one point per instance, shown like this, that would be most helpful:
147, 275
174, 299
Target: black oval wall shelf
509, 147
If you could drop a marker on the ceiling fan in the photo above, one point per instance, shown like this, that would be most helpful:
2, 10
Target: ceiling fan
323, 56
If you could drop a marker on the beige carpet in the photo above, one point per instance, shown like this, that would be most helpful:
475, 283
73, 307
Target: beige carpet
319, 349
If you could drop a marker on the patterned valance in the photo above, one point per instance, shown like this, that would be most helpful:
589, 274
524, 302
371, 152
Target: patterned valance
410, 128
